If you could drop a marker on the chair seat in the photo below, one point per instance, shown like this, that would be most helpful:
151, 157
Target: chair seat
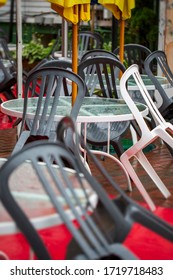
98, 132
101, 73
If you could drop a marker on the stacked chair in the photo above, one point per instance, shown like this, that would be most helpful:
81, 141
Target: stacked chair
163, 130
158, 60
7, 70
91, 238
101, 75
51, 81
87, 40
98, 52
134, 54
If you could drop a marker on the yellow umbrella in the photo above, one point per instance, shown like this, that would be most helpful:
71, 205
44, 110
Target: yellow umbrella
73, 11
121, 9
2, 2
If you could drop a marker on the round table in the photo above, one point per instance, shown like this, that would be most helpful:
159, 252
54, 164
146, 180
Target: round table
93, 109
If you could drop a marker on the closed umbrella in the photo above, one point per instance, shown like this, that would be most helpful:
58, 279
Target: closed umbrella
73, 11
121, 10
2, 2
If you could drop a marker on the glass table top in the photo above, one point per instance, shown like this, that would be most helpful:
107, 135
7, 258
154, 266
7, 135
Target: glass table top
132, 84
91, 106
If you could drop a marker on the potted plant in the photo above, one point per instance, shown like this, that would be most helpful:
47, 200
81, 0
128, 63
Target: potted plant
33, 52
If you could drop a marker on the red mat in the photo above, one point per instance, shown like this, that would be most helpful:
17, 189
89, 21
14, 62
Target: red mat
144, 243
5, 121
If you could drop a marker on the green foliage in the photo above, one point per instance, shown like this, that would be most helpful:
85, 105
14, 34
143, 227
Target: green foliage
35, 50
142, 28
107, 46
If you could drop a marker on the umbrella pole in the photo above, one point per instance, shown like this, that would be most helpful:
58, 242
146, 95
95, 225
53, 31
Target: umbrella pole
92, 17
122, 28
74, 58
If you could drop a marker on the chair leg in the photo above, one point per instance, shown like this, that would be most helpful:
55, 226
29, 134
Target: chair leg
153, 175
118, 162
167, 139
118, 147
21, 141
125, 161
104, 150
169, 149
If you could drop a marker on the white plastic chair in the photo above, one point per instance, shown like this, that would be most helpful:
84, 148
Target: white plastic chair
163, 130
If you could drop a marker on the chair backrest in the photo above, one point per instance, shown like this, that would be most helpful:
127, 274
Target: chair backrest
134, 54
87, 40
133, 72
8, 66
7, 79
6, 55
4, 50
67, 190
51, 82
101, 75
98, 52
3, 34
159, 59
62, 63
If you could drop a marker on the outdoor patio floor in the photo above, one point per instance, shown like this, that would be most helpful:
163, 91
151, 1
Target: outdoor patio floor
139, 237
161, 160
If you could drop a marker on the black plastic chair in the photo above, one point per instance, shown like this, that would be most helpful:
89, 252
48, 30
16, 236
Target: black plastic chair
7, 69
159, 59
7, 80
51, 82
101, 75
98, 52
5, 52
101, 231
46, 63
62, 63
134, 54
3, 34
87, 40
93, 239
